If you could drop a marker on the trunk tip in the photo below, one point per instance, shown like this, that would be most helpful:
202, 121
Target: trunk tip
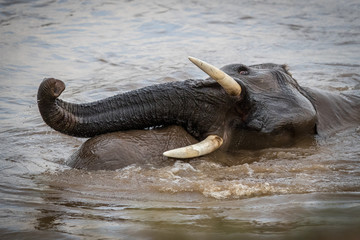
51, 88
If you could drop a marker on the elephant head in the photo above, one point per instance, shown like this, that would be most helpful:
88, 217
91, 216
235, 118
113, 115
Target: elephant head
246, 107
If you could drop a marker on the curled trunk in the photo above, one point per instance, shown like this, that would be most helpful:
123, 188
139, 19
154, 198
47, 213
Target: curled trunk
157, 105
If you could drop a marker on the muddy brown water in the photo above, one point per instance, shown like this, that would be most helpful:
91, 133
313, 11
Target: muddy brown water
100, 48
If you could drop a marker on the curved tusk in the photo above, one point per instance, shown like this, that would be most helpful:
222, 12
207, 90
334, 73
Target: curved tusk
227, 82
208, 145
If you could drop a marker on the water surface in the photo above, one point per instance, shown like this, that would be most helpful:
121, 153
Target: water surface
100, 48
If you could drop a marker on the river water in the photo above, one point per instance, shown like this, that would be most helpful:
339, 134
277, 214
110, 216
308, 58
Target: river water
100, 48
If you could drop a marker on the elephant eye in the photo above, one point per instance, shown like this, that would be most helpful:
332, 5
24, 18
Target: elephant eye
243, 70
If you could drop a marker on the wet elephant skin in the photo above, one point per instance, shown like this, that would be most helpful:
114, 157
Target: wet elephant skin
120, 149
273, 110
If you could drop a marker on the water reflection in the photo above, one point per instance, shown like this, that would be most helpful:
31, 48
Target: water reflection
316, 216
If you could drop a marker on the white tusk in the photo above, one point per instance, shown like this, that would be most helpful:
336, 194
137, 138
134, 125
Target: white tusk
227, 82
208, 145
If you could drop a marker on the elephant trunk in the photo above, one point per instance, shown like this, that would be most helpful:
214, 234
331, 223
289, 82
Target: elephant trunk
147, 107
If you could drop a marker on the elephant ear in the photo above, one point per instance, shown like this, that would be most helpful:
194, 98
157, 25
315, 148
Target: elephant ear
228, 83
208, 145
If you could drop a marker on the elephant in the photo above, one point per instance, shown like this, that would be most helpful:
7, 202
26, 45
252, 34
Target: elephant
238, 107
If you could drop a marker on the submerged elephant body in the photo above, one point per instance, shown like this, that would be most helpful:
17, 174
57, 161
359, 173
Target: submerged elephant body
143, 147
120, 149
262, 106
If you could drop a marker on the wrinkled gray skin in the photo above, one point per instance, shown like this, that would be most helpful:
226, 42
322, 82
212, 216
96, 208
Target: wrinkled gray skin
272, 111
119, 149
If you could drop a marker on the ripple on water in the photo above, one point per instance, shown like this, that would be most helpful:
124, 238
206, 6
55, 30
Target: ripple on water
274, 172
